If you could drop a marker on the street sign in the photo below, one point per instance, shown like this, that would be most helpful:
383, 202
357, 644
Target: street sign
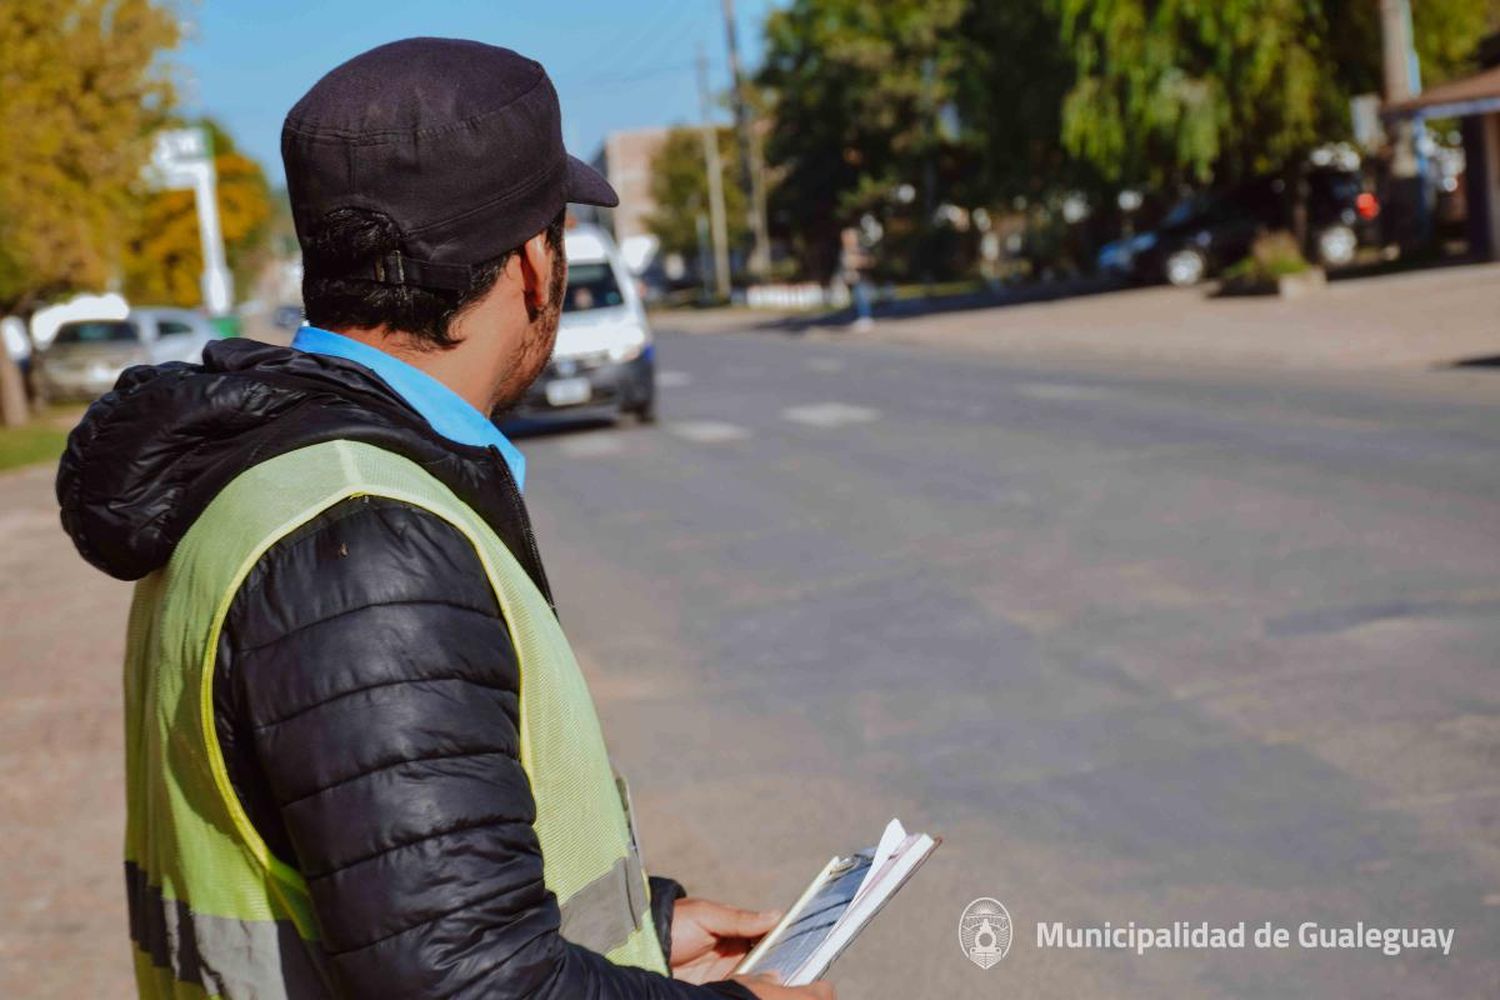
177, 153
183, 158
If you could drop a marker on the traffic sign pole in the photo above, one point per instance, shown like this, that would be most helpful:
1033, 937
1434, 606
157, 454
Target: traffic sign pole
183, 158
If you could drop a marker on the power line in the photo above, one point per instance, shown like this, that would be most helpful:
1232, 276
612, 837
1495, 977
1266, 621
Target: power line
629, 55
672, 69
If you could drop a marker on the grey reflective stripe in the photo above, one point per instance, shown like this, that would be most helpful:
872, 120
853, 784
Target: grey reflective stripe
603, 914
237, 959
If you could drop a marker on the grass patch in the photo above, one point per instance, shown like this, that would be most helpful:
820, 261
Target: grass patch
1272, 255
42, 440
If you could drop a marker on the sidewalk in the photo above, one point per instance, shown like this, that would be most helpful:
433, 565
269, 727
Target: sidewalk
62, 915
1409, 321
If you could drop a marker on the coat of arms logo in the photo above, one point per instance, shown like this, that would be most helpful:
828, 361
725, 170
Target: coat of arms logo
984, 931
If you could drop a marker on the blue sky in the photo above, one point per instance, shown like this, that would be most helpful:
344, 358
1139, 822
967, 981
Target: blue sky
616, 63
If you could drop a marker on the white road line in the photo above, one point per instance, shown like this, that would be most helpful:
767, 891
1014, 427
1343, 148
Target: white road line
707, 431
1065, 390
672, 379
592, 445
830, 414
826, 365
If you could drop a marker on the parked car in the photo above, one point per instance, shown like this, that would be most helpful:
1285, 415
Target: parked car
1208, 231
604, 359
87, 356
1117, 258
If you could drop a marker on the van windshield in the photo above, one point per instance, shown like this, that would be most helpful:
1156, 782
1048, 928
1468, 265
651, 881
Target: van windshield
591, 286
97, 332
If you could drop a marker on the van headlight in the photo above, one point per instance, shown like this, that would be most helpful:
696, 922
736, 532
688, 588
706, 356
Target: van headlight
629, 348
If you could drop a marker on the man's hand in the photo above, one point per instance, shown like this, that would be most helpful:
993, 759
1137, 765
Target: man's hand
710, 939
770, 988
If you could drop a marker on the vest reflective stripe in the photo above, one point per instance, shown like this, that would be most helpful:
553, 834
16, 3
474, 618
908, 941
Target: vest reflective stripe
226, 957
211, 905
594, 917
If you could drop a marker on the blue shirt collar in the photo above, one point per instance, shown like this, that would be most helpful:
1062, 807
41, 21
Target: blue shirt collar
445, 410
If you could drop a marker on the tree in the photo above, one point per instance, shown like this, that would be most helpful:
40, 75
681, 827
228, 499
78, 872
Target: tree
81, 90
679, 186
164, 258
1058, 96
1173, 92
1178, 91
856, 90
1447, 35
1013, 76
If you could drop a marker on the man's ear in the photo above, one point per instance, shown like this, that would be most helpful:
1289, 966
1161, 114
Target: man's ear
536, 272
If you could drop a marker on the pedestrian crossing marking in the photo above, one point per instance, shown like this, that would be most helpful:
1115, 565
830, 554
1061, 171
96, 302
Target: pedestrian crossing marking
1065, 390
591, 445
708, 431
830, 414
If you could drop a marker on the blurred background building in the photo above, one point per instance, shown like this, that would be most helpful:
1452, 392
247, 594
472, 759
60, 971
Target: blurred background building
627, 158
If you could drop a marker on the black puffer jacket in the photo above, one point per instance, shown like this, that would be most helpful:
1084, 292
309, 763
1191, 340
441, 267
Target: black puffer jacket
365, 686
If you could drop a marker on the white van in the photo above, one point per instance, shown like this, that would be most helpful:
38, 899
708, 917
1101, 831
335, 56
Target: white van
604, 358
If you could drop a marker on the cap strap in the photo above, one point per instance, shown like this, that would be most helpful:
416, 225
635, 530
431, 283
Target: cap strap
398, 269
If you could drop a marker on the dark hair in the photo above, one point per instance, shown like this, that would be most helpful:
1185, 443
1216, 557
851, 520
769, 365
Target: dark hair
349, 241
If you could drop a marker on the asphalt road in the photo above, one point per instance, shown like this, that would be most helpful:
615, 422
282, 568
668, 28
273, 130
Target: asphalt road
1141, 647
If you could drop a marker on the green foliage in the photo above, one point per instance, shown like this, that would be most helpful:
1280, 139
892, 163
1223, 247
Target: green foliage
1273, 255
1446, 33
855, 89
164, 259
1013, 73
679, 186
1180, 91
82, 88
1058, 96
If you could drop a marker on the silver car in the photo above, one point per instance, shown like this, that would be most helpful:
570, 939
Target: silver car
86, 356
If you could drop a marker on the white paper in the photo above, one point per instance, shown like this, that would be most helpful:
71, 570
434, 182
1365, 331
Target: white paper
835, 907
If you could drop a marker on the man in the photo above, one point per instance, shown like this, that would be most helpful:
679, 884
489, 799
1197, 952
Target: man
361, 760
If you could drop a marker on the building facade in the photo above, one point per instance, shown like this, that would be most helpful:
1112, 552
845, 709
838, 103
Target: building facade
625, 158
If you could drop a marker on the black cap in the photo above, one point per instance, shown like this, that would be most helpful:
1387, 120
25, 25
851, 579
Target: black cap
459, 142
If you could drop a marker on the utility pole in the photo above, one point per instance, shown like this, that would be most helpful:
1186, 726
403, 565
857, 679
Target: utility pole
751, 175
715, 181
1403, 81
1402, 74
929, 172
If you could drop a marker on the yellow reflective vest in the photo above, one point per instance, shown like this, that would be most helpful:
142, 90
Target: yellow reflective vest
212, 912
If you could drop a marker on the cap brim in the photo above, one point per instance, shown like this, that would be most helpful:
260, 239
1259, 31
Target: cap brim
586, 186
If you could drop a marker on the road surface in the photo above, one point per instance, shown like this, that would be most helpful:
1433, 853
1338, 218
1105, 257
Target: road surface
1145, 647
1148, 648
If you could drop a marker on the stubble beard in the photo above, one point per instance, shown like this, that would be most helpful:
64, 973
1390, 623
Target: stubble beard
535, 350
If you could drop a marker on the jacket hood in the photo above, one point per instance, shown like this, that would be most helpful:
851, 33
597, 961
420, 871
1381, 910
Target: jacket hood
150, 455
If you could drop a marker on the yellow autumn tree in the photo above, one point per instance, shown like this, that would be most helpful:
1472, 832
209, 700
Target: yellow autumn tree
82, 87
164, 260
